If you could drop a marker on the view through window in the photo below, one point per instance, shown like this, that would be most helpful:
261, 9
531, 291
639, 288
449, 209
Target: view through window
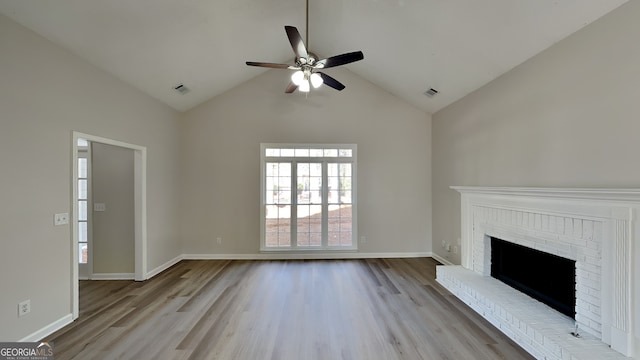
308, 197
83, 200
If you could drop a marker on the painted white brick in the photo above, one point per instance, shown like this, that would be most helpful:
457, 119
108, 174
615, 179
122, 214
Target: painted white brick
545, 223
598, 231
552, 347
577, 228
592, 261
593, 268
559, 225
552, 224
587, 229
594, 253
537, 221
568, 226
593, 245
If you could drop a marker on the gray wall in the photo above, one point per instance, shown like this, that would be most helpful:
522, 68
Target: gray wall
221, 164
566, 118
46, 94
112, 180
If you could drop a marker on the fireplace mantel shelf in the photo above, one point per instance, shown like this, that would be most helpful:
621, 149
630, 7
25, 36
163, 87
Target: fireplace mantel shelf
629, 194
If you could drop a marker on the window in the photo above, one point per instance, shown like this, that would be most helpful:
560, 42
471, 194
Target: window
308, 197
83, 201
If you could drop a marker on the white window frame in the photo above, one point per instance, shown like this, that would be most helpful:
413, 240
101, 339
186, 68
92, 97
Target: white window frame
85, 269
294, 160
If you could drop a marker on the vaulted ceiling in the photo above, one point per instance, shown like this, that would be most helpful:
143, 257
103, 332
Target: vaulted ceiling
409, 46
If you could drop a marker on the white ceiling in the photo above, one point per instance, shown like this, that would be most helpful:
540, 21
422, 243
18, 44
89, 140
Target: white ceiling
409, 45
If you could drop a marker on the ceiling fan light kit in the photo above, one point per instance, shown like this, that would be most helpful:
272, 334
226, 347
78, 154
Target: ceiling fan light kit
307, 65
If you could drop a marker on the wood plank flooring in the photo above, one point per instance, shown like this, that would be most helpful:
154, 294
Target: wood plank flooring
320, 309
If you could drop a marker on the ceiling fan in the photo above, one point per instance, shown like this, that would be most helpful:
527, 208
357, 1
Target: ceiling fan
307, 64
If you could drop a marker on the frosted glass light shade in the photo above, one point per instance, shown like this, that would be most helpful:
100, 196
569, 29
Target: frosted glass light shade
304, 85
297, 77
316, 80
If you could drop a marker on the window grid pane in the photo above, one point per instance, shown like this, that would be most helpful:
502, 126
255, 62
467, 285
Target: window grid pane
302, 152
82, 252
345, 152
287, 152
309, 183
316, 152
82, 210
340, 225
82, 189
82, 232
272, 152
82, 168
278, 183
278, 226
331, 152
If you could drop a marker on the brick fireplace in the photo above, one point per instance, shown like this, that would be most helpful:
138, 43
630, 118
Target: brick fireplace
593, 227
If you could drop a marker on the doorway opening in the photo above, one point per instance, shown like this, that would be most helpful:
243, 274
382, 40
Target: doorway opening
140, 210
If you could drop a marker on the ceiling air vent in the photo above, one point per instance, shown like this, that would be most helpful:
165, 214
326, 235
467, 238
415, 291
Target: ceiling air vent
181, 89
431, 92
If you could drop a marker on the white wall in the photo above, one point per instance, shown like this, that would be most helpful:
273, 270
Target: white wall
113, 230
222, 161
569, 117
46, 93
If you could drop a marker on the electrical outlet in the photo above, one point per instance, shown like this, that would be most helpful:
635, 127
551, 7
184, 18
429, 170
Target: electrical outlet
444, 244
219, 240
24, 308
60, 219
455, 249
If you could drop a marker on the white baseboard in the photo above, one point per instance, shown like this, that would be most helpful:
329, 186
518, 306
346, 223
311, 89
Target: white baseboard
304, 256
164, 267
289, 256
441, 259
49, 329
113, 276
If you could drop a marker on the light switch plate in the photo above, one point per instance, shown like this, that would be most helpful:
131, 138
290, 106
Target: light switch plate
99, 207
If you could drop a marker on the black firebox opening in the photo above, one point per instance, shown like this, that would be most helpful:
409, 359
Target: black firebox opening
548, 278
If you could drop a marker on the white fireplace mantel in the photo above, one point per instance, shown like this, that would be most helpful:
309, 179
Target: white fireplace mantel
595, 227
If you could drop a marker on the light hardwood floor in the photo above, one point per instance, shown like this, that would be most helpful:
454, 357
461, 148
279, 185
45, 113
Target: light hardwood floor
320, 309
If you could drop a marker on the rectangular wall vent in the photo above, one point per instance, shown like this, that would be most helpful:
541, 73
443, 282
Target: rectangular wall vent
181, 89
431, 92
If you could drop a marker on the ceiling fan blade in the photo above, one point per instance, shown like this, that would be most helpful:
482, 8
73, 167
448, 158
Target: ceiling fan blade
291, 88
339, 60
331, 82
296, 42
272, 65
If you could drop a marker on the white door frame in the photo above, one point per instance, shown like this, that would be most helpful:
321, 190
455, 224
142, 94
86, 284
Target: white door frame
140, 195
